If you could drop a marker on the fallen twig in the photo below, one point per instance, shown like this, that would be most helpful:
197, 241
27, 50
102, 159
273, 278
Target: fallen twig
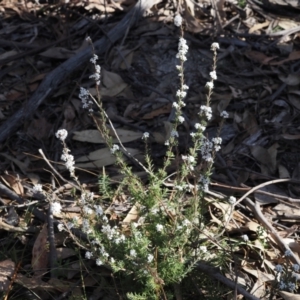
214, 272
261, 218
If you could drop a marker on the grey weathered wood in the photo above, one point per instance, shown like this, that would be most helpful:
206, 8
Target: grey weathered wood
52, 81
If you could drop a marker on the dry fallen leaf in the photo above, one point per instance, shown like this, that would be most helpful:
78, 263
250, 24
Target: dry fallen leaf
14, 183
94, 136
99, 158
289, 296
40, 253
7, 268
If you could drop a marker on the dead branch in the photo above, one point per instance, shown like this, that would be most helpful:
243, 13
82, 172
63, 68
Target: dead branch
214, 272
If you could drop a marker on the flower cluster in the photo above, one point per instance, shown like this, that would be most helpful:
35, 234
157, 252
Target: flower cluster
190, 161
206, 149
56, 207
285, 276
206, 111
182, 49
66, 157
113, 233
84, 96
69, 161
178, 20
62, 134
114, 149
182, 92
245, 238
215, 46
37, 188
217, 141
224, 114
204, 182
232, 200
96, 76
145, 135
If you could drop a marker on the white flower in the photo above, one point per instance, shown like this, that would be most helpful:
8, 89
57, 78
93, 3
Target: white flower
206, 110
178, 20
167, 143
37, 188
96, 77
145, 135
185, 87
88, 39
181, 103
288, 253
174, 133
94, 59
182, 49
245, 237
213, 75
296, 267
86, 226
180, 94
224, 114
87, 210
99, 262
217, 148
203, 249
69, 161
112, 260
206, 149
179, 227
56, 207
95, 242
232, 200
159, 227
99, 210
88, 255
217, 140
214, 46
62, 134
84, 96
189, 158
186, 222
132, 253
181, 119
114, 148
199, 127
150, 258
175, 105
209, 85
106, 229
278, 268
60, 227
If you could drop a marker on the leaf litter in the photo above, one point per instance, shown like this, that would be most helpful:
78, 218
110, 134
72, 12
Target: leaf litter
258, 82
